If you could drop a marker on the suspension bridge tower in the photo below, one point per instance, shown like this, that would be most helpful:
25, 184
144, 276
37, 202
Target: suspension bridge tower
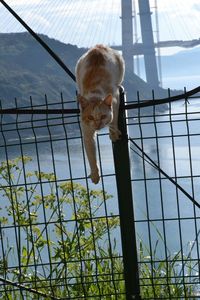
127, 34
147, 47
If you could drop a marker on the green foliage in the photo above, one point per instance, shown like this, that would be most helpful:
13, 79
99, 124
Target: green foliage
63, 245
63, 242
175, 276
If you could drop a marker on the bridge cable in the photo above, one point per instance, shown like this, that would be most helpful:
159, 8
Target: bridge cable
153, 102
41, 41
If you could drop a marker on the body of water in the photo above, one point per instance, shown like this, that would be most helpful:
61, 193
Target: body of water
154, 199
179, 82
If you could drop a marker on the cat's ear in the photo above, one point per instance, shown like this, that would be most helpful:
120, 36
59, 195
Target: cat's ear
108, 100
83, 102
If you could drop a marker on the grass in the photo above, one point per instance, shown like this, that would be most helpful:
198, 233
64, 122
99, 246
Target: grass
57, 241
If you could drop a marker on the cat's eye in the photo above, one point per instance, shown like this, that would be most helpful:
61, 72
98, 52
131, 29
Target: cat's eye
90, 118
103, 117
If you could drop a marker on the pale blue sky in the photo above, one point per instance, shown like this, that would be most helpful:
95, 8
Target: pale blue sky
87, 22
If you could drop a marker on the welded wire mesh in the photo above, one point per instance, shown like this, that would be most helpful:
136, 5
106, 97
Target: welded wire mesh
59, 233
165, 179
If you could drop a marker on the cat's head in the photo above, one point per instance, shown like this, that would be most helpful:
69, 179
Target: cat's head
96, 113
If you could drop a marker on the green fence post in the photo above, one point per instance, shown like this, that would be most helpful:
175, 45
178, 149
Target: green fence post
125, 199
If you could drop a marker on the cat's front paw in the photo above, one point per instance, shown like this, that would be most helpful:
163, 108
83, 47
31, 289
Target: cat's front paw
95, 176
115, 135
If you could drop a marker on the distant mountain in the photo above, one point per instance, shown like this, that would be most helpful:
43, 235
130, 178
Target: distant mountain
26, 69
183, 63
180, 69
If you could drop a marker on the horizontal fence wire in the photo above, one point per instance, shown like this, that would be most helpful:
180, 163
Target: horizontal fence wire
60, 236
165, 176
127, 106
52, 243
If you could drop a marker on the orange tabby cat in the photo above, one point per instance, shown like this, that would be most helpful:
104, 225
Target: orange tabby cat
99, 72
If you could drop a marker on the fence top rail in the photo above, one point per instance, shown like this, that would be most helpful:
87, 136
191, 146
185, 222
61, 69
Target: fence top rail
41, 111
139, 104
169, 99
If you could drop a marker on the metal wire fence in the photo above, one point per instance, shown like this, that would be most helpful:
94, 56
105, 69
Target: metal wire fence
61, 237
60, 234
165, 178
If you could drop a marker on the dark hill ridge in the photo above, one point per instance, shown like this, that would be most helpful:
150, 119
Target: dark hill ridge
26, 69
